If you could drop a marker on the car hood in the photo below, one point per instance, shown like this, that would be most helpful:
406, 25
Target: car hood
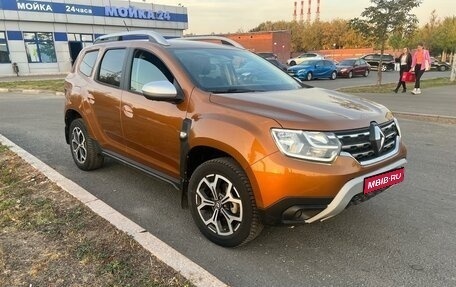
300, 67
307, 108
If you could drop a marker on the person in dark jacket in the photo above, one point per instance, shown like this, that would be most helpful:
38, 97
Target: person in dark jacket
405, 61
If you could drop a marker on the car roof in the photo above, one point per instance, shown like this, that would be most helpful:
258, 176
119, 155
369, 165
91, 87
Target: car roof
146, 37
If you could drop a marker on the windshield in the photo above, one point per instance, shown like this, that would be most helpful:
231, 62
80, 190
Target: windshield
233, 71
309, 63
347, 63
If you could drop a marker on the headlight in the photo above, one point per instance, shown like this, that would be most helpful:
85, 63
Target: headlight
315, 146
344, 70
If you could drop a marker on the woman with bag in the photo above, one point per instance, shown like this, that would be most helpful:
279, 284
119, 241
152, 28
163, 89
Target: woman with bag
421, 62
405, 61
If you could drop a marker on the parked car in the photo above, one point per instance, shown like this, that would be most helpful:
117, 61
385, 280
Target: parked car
439, 65
314, 69
388, 61
242, 151
303, 57
278, 64
353, 67
267, 55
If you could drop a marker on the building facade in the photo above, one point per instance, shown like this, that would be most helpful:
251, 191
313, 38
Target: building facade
45, 37
277, 42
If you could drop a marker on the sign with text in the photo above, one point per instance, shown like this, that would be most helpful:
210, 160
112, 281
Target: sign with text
130, 12
383, 180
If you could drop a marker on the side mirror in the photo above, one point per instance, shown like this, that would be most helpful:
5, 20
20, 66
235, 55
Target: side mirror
161, 91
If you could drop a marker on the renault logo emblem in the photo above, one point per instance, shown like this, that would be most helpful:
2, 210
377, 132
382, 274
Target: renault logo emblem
376, 137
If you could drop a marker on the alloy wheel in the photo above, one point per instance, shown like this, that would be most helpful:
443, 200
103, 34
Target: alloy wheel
78, 145
219, 204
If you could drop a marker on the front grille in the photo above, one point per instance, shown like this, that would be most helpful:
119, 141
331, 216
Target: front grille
356, 142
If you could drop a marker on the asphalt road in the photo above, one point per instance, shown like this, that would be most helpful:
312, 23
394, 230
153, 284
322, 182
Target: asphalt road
403, 237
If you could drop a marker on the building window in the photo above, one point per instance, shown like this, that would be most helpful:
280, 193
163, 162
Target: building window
40, 47
86, 39
4, 53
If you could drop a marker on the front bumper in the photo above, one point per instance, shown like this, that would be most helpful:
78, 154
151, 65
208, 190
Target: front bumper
291, 191
348, 191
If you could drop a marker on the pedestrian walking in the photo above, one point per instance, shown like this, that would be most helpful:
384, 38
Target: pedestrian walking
405, 61
421, 61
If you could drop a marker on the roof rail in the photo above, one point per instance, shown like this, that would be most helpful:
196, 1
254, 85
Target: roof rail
139, 34
223, 40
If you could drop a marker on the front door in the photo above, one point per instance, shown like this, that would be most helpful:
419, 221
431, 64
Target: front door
151, 128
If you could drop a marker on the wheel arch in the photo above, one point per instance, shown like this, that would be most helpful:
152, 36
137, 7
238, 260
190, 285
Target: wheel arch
199, 154
70, 115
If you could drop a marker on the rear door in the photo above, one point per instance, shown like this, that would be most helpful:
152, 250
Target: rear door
103, 96
358, 68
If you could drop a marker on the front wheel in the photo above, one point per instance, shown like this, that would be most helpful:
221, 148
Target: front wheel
442, 68
84, 149
334, 75
384, 68
350, 74
309, 76
222, 203
366, 73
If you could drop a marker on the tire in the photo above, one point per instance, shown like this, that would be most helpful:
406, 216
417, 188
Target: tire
292, 63
384, 68
309, 76
366, 73
334, 75
85, 151
229, 216
442, 68
350, 74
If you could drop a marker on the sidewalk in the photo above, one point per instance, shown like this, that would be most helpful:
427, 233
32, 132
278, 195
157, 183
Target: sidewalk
33, 78
439, 101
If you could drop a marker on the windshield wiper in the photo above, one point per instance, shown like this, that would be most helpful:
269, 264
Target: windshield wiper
235, 90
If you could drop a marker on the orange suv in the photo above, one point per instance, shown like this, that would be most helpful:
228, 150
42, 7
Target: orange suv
244, 143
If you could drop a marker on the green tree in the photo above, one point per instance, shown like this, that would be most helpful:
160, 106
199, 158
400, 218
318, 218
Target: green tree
383, 19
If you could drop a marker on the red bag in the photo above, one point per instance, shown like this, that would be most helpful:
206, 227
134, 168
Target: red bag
408, 77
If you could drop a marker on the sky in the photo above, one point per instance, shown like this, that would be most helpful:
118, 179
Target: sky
230, 16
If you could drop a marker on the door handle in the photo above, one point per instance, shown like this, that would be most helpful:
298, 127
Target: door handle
128, 111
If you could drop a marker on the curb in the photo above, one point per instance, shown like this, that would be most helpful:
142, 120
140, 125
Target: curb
171, 257
429, 117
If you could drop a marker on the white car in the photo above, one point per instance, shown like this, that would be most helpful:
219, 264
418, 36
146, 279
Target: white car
303, 57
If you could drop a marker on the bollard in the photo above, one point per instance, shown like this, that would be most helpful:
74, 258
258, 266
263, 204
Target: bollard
16, 69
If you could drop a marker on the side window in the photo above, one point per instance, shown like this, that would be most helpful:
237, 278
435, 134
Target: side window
147, 68
87, 63
111, 67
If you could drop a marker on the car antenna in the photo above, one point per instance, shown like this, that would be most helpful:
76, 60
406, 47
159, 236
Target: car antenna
126, 27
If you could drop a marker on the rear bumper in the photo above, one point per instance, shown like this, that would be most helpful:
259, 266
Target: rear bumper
348, 191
